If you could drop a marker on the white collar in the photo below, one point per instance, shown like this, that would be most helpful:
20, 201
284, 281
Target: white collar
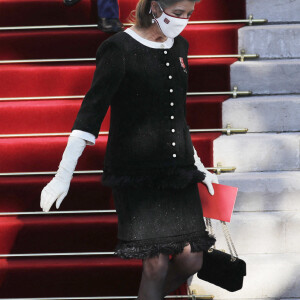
162, 45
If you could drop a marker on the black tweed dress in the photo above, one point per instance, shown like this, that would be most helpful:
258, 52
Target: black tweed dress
153, 220
149, 161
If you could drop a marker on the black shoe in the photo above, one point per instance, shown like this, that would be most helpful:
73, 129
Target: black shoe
110, 25
70, 2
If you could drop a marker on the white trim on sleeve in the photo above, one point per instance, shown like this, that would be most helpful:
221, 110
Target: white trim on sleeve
89, 137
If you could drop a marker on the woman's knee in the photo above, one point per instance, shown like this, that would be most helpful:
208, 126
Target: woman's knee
198, 261
156, 267
189, 262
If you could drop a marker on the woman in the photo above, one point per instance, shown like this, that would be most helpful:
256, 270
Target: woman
150, 161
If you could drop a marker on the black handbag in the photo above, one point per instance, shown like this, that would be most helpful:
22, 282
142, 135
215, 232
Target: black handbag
220, 268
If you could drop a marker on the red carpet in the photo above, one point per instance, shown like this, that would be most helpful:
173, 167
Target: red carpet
38, 116
82, 43
22, 194
81, 276
73, 78
53, 12
75, 276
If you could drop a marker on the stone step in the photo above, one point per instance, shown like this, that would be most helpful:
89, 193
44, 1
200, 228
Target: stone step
271, 41
33, 154
42, 44
277, 11
258, 299
252, 152
57, 277
254, 113
266, 232
264, 191
273, 76
268, 276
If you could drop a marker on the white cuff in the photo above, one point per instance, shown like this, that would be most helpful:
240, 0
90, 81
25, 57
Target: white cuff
89, 137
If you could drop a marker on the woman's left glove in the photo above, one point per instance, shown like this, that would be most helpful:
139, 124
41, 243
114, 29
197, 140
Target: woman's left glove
210, 177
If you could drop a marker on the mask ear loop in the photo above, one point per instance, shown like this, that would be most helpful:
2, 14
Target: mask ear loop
153, 21
150, 10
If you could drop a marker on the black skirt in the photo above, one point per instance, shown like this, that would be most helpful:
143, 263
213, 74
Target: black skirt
153, 221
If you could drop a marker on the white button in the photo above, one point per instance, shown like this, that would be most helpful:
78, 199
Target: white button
171, 90
165, 52
167, 64
173, 130
173, 144
171, 103
170, 76
174, 154
172, 117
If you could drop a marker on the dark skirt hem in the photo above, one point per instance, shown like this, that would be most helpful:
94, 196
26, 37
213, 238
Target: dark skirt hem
142, 249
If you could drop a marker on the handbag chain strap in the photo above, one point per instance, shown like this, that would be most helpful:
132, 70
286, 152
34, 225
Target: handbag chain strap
227, 237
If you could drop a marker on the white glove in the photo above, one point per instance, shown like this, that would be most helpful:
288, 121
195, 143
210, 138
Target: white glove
210, 177
58, 187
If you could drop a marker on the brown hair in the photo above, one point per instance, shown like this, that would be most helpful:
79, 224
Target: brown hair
143, 18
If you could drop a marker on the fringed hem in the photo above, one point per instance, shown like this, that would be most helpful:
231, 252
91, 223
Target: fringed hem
173, 177
142, 249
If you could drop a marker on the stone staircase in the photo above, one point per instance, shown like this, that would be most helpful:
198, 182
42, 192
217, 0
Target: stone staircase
266, 220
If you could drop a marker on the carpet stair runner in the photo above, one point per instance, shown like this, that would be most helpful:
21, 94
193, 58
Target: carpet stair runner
59, 232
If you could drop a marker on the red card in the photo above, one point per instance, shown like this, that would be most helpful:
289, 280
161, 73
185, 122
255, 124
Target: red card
220, 205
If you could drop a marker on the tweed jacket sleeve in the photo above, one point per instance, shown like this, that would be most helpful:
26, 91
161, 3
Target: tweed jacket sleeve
109, 72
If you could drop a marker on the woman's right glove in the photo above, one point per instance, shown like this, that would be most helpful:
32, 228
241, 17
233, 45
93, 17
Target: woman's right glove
58, 187
210, 177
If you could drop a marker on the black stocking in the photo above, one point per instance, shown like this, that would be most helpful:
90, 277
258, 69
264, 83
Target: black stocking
153, 277
162, 276
181, 267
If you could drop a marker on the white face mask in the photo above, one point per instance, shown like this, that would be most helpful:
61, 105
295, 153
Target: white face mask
170, 26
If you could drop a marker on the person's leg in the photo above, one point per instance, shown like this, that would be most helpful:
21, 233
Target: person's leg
108, 16
108, 8
153, 276
181, 267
